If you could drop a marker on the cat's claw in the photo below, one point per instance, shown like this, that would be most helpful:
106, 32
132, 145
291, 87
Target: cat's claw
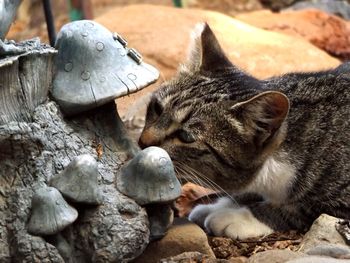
225, 219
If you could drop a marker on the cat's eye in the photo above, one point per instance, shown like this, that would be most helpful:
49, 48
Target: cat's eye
185, 136
158, 109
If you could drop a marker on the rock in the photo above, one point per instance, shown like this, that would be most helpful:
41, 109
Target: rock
316, 259
196, 257
231, 7
274, 256
278, 4
164, 43
183, 236
190, 257
343, 227
322, 231
338, 7
330, 250
325, 31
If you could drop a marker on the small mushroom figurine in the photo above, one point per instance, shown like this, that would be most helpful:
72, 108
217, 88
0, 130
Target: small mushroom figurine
149, 178
50, 212
79, 181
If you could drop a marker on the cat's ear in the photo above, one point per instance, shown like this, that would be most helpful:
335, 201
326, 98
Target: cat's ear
205, 51
263, 115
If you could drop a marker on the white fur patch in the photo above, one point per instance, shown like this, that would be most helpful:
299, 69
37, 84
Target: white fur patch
194, 54
273, 180
200, 212
198, 30
236, 223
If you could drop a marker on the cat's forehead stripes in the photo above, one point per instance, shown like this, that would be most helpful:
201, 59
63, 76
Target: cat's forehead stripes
182, 113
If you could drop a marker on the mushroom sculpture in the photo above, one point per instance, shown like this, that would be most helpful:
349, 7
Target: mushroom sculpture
79, 181
50, 212
93, 68
149, 178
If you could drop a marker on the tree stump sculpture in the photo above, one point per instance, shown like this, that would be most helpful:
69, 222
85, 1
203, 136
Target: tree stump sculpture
37, 143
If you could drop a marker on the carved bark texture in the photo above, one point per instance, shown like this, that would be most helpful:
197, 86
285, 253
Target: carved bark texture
36, 143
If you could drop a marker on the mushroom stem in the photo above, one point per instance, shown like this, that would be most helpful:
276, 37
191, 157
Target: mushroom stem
63, 247
161, 217
112, 133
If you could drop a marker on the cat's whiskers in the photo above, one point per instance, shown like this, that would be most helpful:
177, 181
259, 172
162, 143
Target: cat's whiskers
193, 174
185, 175
180, 175
203, 180
197, 180
214, 186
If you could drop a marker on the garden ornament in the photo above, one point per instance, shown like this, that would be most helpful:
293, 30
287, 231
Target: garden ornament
94, 67
8, 9
50, 212
149, 178
79, 181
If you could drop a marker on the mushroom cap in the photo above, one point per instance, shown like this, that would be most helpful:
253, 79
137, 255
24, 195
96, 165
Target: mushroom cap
94, 66
150, 177
79, 180
50, 212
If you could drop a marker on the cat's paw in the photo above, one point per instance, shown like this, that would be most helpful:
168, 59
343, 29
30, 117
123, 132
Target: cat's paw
236, 223
224, 218
201, 212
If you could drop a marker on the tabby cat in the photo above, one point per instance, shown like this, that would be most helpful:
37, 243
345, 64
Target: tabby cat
281, 146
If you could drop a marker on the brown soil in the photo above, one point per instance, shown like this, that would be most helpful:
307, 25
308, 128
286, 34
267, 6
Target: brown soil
227, 248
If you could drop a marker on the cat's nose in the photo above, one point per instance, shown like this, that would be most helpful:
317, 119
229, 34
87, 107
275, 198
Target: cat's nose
148, 138
141, 144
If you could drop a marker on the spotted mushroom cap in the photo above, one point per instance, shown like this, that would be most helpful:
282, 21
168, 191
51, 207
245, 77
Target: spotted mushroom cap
150, 177
50, 212
94, 66
79, 180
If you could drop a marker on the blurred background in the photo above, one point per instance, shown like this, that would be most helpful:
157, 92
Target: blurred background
263, 37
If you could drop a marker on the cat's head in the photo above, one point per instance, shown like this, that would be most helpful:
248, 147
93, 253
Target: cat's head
215, 121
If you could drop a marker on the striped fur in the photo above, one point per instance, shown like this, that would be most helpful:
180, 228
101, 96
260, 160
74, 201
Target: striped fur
285, 138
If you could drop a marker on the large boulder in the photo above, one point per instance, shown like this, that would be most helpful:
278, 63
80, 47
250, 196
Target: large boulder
325, 31
162, 35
